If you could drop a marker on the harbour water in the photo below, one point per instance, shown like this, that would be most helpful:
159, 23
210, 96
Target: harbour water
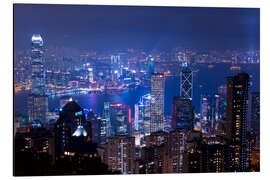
205, 80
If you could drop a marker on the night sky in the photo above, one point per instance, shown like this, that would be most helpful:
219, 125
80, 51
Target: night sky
112, 27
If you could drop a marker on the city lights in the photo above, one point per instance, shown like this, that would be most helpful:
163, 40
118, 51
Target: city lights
114, 99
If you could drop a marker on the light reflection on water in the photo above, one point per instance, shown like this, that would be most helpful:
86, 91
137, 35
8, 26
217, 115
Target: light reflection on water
209, 79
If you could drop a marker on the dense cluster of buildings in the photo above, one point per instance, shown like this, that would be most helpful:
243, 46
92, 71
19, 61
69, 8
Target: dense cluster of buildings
223, 137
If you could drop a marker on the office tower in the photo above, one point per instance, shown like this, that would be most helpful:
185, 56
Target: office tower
120, 120
142, 115
186, 80
236, 127
219, 111
71, 130
138, 114
206, 116
115, 59
157, 102
106, 123
142, 119
37, 108
95, 125
37, 100
255, 116
115, 66
103, 128
37, 66
150, 65
183, 115
119, 154
90, 75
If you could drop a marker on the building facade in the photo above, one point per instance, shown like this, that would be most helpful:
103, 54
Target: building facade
186, 82
157, 102
119, 154
236, 131
37, 99
183, 114
120, 120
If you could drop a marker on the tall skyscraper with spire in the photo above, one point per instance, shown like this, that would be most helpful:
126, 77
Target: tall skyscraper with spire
186, 81
37, 99
37, 66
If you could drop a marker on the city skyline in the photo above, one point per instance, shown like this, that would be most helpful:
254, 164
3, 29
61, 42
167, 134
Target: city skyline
153, 109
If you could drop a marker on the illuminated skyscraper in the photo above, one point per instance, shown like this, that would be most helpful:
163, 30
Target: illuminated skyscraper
157, 102
37, 100
183, 114
142, 118
186, 80
37, 108
37, 66
142, 114
120, 120
219, 111
91, 75
115, 59
206, 116
106, 125
151, 65
236, 130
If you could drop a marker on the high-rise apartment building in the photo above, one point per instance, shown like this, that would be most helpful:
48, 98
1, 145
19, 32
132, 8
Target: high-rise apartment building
119, 154
236, 128
255, 116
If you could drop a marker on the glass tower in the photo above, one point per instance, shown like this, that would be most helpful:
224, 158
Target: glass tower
183, 115
186, 80
37, 66
206, 113
157, 102
37, 99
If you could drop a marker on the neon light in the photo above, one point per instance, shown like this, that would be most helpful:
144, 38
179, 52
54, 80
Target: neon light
78, 113
115, 105
129, 115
